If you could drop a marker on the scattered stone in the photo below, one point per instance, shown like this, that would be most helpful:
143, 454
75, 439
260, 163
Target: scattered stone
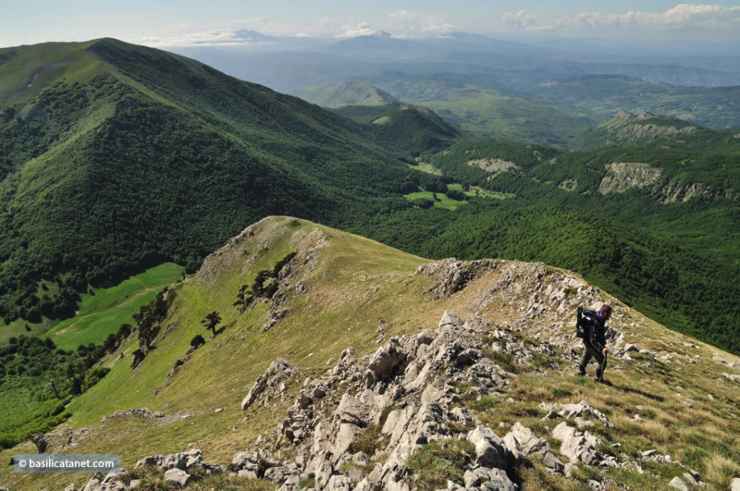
574, 411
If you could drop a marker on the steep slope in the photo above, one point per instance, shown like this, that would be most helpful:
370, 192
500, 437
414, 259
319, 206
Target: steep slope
115, 157
426, 405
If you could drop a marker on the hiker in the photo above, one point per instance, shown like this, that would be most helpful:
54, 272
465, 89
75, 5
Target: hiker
591, 327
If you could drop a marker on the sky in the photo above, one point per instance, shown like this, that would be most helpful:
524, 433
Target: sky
178, 23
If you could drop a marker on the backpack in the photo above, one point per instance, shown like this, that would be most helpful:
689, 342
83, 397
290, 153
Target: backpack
580, 331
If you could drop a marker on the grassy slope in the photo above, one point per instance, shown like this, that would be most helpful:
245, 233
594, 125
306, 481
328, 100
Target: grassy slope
101, 313
26, 400
351, 274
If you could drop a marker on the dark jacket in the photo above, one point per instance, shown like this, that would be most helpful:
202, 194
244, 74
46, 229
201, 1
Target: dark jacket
594, 327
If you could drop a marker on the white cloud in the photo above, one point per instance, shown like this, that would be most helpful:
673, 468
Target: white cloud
685, 16
405, 23
359, 30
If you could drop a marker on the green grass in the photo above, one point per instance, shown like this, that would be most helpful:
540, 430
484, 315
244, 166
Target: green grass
105, 310
479, 192
426, 168
440, 200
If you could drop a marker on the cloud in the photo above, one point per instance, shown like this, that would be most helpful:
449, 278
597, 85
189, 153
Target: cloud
235, 37
520, 19
685, 16
359, 30
405, 23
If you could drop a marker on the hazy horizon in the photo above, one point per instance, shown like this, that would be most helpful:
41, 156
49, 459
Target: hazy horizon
659, 26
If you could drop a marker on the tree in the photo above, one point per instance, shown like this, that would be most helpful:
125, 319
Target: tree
456, 195
197, 342
40, 441
409, 187
211, 322
244, 299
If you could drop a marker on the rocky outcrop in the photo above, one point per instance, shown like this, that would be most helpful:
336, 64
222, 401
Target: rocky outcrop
357, 426
623, 176
580, 413
177, 470
493, 165
452, 276
581, 446
674, 191
270, 384
523, 443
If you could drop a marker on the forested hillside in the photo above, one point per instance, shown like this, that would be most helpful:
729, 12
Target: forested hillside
116, 157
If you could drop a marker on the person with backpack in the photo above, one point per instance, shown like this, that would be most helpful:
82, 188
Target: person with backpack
591, 328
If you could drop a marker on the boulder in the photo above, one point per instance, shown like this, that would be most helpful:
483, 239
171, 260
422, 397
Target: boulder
488, 479
278, 371
450, 320
577, 446
339, 483
521, 441
677, 483
386, 362
177, 476
735, 484
490, 450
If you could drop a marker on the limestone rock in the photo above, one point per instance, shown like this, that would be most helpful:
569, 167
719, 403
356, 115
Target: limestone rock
490, 450
677, 483
177, 476
522, 441
580, 446
271, 381
386, 361
488, 479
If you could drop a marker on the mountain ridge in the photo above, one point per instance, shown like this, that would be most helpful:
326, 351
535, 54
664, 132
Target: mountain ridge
111, 115
456, 355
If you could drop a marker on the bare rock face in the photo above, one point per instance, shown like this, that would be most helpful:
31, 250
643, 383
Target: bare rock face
270, 383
